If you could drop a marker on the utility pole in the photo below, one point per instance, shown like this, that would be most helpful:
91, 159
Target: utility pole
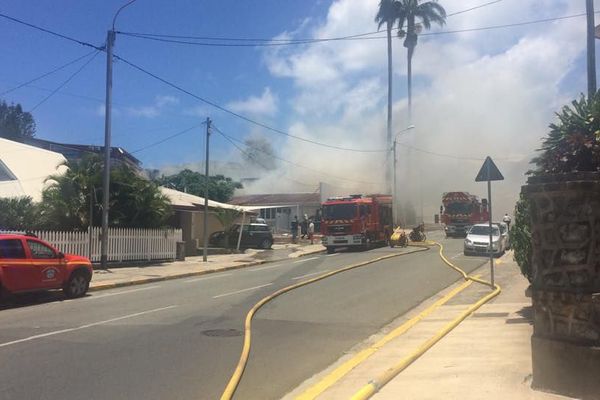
110, 40
591, 48
395, 191
206, 184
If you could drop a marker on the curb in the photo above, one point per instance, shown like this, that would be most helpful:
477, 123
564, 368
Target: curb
105, 286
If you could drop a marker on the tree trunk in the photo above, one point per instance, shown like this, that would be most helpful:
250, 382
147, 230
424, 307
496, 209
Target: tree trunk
409, 55
389, 107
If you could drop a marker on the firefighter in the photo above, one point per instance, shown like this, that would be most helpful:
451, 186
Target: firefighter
507, 220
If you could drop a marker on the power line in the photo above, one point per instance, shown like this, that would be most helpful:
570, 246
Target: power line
165, 139
240, 116
354, 37
272, 41
66, 81
19, 86
485, 28
60, 35
294, 163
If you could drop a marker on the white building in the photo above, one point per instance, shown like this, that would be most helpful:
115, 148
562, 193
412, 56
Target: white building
24, 169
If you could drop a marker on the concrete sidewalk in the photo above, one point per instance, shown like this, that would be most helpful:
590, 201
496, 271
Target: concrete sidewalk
193, 266
488, 356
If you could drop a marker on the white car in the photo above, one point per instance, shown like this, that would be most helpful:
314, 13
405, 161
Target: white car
478, 240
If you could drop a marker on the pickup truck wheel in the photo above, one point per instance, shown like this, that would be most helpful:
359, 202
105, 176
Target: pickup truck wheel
266, 244
77, 285
330, 250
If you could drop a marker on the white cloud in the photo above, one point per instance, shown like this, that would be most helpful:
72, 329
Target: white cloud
154, 110
475, 94
265, 104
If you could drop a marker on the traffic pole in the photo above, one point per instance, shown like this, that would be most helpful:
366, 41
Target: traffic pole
489, 188
206, 184
110, 39
591, 48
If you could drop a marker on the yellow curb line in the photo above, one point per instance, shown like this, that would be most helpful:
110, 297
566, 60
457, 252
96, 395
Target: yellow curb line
350, 364
239, 369
376, 384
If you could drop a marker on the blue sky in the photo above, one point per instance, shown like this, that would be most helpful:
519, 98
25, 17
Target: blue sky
476, 93
223, 75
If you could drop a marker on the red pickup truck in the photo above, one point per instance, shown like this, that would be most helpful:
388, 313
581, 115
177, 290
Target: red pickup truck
28, 264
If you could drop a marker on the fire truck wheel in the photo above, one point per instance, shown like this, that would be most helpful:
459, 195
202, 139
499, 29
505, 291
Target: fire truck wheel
330, 250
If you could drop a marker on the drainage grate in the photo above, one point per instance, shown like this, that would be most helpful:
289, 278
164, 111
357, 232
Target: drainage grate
222, 332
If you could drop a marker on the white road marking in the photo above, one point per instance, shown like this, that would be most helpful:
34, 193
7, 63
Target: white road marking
100, 296
205, 278
306, 259
314, 273
43, 335
456, 256
263, 268
241, 291
334, 254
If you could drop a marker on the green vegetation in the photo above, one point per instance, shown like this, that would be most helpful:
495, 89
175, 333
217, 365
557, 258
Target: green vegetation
14, 122
18, 213
573, 143
135, 202
520, 237
227, 218
220, 187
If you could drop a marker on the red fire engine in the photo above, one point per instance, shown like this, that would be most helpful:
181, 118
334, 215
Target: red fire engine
356, 220
460, 210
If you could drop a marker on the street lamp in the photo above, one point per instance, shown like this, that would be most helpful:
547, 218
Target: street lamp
395, 194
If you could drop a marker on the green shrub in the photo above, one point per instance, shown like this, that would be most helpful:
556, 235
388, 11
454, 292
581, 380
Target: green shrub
520, 237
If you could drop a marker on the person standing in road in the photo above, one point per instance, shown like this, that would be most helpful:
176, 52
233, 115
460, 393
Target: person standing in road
311, 231
507, 220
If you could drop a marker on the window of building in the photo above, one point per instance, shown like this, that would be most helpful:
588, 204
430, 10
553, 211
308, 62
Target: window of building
5, 173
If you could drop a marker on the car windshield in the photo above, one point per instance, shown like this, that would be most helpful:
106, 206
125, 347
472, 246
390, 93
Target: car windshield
339, 211
484, 230
459, 208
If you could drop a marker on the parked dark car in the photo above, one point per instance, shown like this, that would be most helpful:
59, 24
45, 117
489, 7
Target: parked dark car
254, 235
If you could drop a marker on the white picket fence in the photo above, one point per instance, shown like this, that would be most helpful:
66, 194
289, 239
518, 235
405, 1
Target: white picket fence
123, 244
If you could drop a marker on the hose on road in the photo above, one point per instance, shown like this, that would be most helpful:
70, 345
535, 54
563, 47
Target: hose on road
376, 384
241, 365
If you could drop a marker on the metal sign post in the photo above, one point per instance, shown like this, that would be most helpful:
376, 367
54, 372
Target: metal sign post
489, 172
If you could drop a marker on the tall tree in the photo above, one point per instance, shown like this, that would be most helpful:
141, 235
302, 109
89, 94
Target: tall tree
220, 188
135, 201
14, 122
416, 14
387, 15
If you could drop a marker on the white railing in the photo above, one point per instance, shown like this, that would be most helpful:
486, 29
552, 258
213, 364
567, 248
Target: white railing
123, 244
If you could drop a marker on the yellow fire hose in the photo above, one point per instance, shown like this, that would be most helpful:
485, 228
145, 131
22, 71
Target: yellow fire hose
376, 384
239, 370
373, 386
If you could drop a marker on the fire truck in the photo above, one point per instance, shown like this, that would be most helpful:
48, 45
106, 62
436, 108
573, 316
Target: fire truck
460, 210
356, 221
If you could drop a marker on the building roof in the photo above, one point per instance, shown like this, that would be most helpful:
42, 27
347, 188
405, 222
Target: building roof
70, 150
24, 169
189, 201
277, 199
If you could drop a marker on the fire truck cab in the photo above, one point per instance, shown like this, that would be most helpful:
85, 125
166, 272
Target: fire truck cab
356, 221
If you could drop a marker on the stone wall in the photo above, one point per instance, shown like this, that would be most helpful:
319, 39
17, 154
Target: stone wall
565, 223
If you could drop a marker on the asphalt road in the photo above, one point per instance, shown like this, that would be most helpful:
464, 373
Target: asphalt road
181, 339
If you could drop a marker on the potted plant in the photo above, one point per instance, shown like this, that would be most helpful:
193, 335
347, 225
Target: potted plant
563, 199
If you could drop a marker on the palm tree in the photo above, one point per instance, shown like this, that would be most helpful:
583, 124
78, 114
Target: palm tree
409, 11
387, 14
